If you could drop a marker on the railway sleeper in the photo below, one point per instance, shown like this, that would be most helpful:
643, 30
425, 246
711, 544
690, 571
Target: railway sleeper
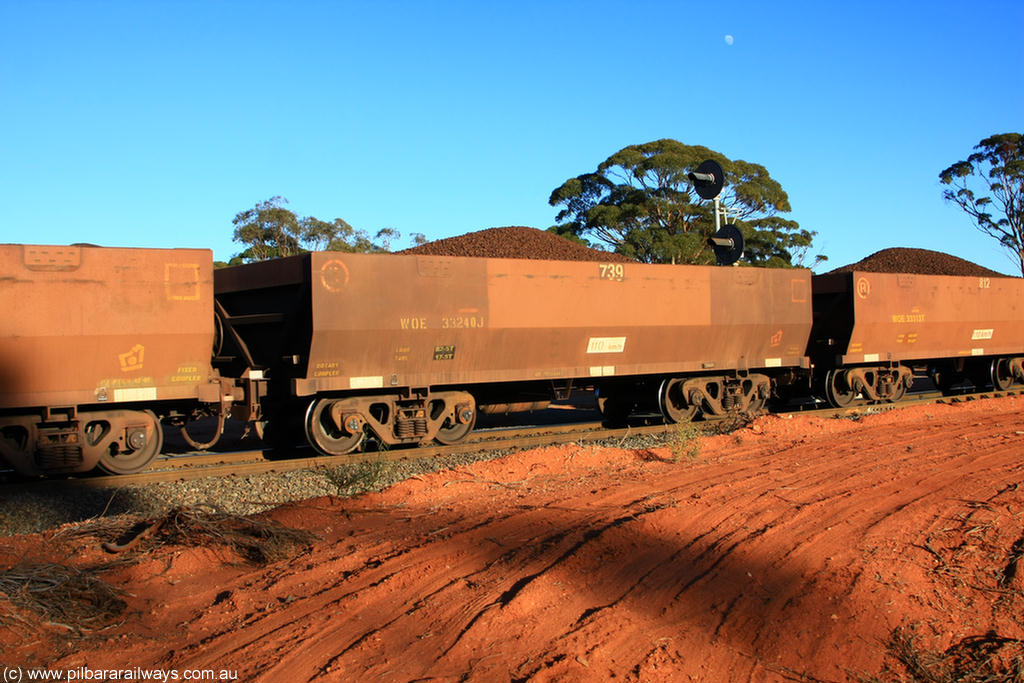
336, 426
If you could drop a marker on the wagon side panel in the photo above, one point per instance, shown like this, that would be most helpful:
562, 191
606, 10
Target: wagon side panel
91, 325
383, 321
906, 317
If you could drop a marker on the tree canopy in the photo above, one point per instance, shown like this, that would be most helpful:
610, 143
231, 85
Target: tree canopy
989, 187
269, 230
640, 202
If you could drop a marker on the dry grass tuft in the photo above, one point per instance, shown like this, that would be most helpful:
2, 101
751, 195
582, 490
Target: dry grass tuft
67, 597
685, 442
988, 658
732, 422
356, 478
256, 541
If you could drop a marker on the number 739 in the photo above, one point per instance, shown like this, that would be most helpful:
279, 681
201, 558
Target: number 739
613, 271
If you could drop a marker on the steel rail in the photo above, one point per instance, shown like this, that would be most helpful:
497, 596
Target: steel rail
245, 463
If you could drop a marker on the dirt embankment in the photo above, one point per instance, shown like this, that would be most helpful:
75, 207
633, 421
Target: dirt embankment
808, 548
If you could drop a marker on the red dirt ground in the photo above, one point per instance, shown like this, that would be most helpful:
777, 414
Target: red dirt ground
789, 550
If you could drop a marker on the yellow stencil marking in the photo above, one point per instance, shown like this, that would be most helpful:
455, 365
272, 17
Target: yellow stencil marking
132, 359
181, 281
334, 275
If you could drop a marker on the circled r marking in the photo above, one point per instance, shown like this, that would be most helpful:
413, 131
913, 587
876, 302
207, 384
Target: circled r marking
863, 288
334, 275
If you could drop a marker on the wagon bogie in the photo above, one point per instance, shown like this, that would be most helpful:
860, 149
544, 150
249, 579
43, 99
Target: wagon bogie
720, 396
116, 441
843, 387
685, 397
337, 425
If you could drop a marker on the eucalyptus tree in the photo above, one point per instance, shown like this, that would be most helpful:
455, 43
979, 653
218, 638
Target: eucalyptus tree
640, 202
270, 230
989, 187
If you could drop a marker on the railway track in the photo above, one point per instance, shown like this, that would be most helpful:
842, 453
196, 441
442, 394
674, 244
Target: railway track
249, 462
187, 466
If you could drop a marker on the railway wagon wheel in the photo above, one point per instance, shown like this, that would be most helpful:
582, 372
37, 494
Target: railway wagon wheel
899, 391
324, 436
460, 421
1002, 374
757, 404
453, 431
837, 389
896, 386
673, 403
128, 441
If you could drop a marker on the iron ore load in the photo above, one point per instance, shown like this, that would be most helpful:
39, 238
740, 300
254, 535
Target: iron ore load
103, 348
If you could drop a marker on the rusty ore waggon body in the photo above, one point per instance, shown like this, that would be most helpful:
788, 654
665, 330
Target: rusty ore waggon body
873, 330
97, 345
413, 347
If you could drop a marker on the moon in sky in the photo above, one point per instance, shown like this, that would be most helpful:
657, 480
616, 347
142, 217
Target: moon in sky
729, 39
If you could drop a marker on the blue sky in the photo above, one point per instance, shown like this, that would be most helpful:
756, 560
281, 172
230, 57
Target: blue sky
154, 123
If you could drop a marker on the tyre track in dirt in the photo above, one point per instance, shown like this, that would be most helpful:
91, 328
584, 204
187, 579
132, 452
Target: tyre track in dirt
710, 559
793, 545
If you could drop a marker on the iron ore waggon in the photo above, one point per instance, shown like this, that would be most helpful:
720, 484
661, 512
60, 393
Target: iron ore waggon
98, 346
334, 347
103, 347
874, 331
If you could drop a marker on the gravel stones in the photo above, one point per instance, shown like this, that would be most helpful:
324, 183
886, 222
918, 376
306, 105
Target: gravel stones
515, 242
39, 507
919, 261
